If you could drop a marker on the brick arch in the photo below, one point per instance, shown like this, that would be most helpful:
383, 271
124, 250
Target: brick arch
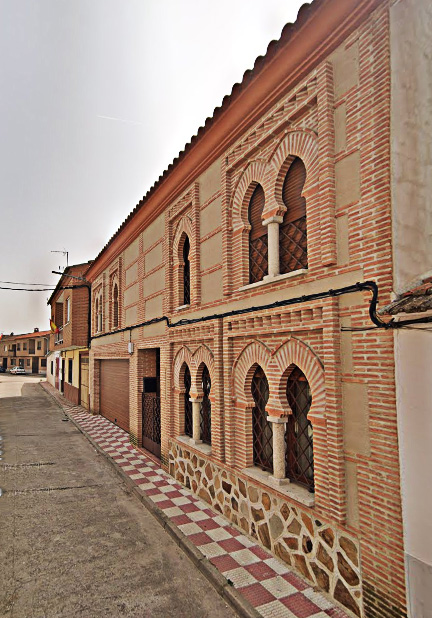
184, 355
296, 352
254, 353
98, 300
114, 281
202, 356
184, 226
254, 174
302, 144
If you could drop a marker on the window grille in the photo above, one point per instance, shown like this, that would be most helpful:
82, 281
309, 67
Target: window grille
299, 431
186, 272
293, 230
115, 306
205, 416
187, 402
262, 432
97, 315
258, 243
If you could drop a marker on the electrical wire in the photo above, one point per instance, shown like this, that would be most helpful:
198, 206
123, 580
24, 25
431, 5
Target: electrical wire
29, 289
21, 283
370, 286
429, 330
355, 329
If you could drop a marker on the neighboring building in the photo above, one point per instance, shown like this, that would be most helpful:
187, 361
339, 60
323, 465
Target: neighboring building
231, 314
27, 351
413, 360
68, 360
411, 207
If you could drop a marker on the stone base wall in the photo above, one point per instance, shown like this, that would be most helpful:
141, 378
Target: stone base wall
319, 550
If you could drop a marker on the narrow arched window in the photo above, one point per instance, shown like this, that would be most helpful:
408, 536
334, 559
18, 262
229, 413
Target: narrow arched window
299, 431
292, 231
258, 244
115, 307
187, 402
97, 315
100, 315
205, 416
262, 432
186, 272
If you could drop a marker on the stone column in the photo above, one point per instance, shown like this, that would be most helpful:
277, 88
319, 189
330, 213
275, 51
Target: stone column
196, 416
272, 224
278, 449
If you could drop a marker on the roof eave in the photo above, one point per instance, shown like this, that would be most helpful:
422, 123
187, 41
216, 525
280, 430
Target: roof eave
319, 29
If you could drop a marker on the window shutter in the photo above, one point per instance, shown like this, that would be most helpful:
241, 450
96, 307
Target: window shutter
291, 191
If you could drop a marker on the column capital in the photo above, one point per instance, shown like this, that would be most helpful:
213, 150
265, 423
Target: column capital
273, 219
277, 420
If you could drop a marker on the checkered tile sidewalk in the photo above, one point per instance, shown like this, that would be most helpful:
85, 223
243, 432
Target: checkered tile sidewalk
268, 585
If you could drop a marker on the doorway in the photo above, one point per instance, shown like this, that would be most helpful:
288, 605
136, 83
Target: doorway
62, 375
151, 413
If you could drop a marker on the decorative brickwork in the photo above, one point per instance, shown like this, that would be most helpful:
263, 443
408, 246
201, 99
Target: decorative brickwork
315, 547
347, 537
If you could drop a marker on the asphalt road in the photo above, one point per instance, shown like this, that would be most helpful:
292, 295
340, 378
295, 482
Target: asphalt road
73, 541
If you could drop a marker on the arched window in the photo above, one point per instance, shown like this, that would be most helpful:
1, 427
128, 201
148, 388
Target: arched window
187, 402
262, 432
100, 315
292, 231
299, 431
96, 326
258, 244
205, 416
115, 306
186, 272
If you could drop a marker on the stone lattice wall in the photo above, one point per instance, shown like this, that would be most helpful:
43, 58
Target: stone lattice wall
320, 551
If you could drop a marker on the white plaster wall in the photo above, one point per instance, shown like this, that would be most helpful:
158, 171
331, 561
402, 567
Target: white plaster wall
414, 409
414, 404
51, 378
411, 138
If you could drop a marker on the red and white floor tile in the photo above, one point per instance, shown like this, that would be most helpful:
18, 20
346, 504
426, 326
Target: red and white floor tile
269, 585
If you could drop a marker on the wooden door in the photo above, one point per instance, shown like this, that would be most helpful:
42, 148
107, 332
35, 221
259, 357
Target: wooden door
84, 381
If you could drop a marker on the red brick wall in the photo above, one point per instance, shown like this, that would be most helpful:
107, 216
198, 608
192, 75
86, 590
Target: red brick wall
337, 121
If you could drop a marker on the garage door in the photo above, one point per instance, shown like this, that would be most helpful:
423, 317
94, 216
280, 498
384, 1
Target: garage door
114, 391
84, 381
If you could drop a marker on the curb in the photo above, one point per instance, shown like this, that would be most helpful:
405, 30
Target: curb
203, 564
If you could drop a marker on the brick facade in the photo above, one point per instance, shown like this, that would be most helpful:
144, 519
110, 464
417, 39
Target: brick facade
70, 313
346, 537
28, 351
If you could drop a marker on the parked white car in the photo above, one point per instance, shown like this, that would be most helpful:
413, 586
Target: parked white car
17, 370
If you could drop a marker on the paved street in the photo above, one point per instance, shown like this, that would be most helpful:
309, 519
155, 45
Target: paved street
73, 541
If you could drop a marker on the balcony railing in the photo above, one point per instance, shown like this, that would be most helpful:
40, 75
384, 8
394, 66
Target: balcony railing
58, 337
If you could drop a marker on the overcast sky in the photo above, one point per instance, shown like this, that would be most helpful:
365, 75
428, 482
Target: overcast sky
97, 97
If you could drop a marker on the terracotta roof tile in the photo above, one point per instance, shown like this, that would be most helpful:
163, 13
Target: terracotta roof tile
33, 335
415, 300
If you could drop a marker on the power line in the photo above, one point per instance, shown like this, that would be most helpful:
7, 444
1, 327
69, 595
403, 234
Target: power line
28, 289
21, 283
